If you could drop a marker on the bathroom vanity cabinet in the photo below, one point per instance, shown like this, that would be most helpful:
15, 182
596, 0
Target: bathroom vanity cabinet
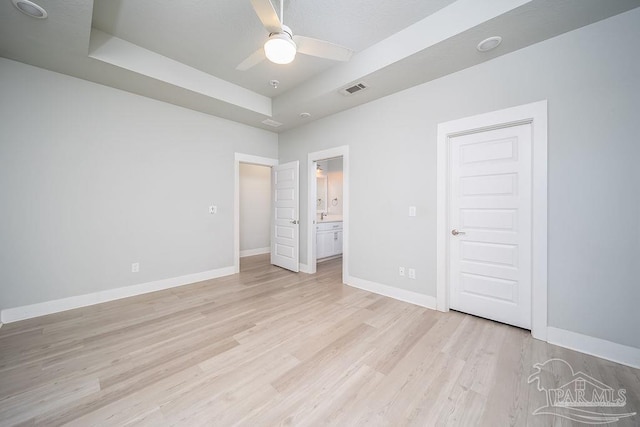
328, 239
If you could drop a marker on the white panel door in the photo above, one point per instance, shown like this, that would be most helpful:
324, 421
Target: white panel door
490, 224
285, 225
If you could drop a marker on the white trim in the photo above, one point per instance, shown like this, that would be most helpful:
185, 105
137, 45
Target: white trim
342, 151
329, 258
304, 268
55, 306
254, 160
536, 114
411, 297
598, 347
257, 251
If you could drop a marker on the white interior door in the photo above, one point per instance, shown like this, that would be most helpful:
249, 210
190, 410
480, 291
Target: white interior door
285, 220
490, 224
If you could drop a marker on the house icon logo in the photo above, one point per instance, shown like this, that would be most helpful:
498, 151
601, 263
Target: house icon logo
582, 399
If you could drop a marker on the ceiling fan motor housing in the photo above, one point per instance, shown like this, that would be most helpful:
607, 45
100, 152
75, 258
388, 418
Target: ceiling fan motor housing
285, 30
280, 48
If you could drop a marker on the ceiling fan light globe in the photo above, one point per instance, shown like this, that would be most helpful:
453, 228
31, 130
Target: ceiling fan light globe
280, 49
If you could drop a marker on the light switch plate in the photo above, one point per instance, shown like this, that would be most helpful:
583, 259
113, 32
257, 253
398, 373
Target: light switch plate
412, 211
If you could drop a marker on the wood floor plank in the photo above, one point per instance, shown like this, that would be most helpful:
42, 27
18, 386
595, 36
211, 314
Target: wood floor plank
271, 347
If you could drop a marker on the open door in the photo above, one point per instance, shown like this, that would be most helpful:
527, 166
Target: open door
285, 225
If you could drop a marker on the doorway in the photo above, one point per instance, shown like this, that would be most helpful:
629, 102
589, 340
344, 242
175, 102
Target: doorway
492, 216
328, 209
329, 214
242, 161
255, 211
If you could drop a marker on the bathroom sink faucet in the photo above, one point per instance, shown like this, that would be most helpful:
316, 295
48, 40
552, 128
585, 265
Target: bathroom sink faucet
322, 215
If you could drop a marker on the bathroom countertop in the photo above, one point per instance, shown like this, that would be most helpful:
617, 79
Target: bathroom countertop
329, 218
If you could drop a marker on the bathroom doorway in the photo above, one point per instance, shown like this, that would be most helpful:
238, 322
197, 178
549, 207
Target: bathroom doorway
329, 219
328, 209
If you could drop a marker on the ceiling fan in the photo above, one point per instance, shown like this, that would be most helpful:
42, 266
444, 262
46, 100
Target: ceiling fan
282, 45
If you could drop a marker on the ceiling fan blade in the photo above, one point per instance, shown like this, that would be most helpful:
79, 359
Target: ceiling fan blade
322, 49
267, 14
254, 59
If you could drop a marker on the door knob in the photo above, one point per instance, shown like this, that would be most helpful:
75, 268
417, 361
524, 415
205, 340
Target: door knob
456, 232
293, 221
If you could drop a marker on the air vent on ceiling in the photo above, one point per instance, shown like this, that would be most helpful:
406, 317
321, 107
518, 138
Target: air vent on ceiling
273, 123
353, 89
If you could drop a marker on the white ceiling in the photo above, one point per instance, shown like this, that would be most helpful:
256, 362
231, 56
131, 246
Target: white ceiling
215, 36
185, 52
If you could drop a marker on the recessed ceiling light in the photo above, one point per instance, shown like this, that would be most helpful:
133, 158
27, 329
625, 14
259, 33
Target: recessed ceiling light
489, 44
305, 115
30, 8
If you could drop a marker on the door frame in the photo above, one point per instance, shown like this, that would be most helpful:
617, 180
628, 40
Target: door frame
253, 160
535, 114
342, 151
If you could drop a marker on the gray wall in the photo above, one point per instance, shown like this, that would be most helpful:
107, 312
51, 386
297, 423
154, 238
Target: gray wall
334, 186
93, 179
255, 207
591, 78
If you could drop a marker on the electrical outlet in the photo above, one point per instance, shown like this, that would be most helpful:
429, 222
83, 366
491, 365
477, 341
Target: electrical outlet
401, 271
412, 273
135, 267
213, 209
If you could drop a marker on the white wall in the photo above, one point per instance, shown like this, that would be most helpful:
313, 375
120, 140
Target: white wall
93, 179
255, 208
590, 78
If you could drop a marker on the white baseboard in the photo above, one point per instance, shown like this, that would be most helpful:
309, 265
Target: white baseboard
251, 252
49, 307
329, 258
604, 349
304, 268
392, 292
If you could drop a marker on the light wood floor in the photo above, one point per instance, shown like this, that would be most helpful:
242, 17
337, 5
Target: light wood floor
269, 347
